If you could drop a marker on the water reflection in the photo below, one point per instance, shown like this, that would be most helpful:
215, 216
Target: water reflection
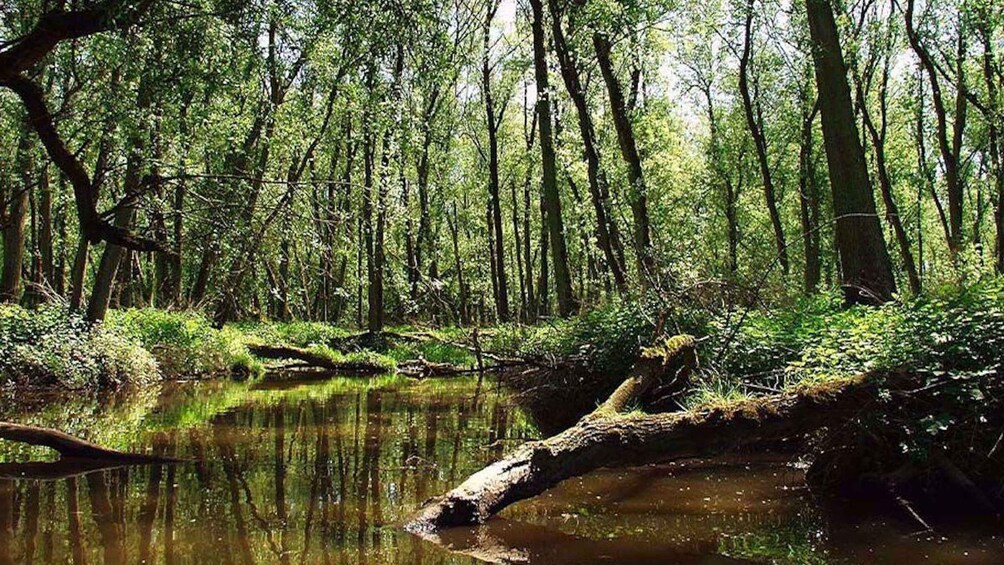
317, 473
325, 472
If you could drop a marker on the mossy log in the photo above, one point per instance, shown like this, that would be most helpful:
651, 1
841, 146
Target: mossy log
317, 360
609, 437
416, 368
70, 447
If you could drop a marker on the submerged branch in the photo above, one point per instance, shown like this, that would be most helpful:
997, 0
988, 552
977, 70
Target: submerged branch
70, 447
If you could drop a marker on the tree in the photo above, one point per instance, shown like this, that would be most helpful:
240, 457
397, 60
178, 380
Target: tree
866, 272
607, 232
567, 303
494, 116
754, 121
629, 152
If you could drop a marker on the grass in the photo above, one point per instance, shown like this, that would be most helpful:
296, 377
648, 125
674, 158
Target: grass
364, 357
298, 333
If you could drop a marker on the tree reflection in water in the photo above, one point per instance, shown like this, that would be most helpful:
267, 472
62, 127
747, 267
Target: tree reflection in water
326, 472
295, 476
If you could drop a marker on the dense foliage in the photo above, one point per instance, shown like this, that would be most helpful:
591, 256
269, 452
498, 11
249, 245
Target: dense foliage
363, 166
50, 347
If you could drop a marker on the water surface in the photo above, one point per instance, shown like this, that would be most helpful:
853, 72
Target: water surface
326, 472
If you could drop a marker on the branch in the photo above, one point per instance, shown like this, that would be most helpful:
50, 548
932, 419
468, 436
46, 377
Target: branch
59, 25
71, 447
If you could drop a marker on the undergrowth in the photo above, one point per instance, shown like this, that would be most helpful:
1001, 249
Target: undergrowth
50, 346
186, 344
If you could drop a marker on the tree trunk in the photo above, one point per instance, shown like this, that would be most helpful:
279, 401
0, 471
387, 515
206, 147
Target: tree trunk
808, 190
607, 234
374, 315
423, 243
754, 122
638, 193
500, 280
877, 134
995, 122
45, 231
101, 293
464, 307
11, 284
530, 131
79, 271
864, 260
949, 138
567, 304
731, 192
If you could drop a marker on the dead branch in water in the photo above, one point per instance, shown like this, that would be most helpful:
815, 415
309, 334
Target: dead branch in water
70, 447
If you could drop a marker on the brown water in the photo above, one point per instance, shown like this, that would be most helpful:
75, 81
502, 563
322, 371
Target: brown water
326, 472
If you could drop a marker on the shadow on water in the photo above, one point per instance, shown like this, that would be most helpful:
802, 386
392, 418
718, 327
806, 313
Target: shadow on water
326, 471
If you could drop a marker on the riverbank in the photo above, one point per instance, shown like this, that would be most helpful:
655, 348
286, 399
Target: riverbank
52, 348
945, 430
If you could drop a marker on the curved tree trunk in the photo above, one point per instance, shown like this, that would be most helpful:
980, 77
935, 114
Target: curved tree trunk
638, 197
754, 122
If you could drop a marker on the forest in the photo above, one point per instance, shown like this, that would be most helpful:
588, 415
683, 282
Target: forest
653, 237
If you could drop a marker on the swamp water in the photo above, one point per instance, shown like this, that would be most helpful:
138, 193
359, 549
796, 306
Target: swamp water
326, 472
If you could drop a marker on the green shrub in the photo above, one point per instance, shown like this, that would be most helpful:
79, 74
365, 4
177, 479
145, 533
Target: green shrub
606, 339
185, 343
950, 339
298, 334
433, 352
49, 346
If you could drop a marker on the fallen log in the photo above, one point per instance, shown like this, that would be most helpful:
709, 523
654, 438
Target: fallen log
283, 352
70, 447
416, 368
423, 369
498, 360
611, 437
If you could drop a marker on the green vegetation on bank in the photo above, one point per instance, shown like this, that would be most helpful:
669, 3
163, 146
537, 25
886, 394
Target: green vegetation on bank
52, 347
954, 331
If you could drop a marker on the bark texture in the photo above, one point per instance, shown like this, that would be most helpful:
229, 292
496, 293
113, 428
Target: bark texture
864, 260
